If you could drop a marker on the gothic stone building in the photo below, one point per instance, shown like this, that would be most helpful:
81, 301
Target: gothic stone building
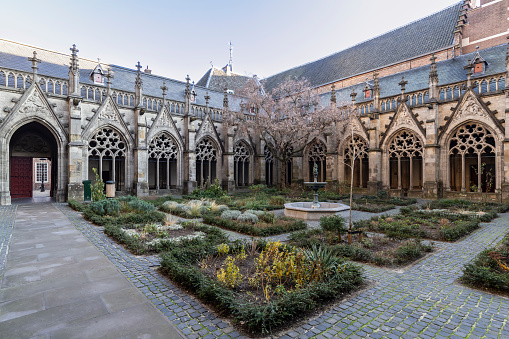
431, 97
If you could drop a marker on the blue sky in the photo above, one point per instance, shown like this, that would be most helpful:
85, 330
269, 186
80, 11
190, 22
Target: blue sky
175, 38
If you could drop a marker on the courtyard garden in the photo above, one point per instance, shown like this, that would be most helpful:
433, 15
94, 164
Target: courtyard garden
262, 284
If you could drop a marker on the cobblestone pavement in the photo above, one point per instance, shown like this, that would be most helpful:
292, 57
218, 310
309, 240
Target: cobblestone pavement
419, 302
7, 215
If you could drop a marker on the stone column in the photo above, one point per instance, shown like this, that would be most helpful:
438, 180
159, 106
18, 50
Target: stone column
505, 175
331, 161
229, 163
374, 156
259, 163
75, 189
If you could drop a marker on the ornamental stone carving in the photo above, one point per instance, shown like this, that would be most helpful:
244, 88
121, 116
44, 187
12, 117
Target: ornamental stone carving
241, 153
317, 152
34, 105
405, 144
108, 113
107, 142
470, 108
404, 118
472, 138
205, 151
356, 148
163, 146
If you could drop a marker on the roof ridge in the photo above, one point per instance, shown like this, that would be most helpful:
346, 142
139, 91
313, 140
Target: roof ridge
367, 40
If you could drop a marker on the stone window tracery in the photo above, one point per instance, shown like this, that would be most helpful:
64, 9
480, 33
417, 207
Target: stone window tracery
356, 150
317, 154
108, 148
163, 152
206, 160
472, 159
405, 156
241, 157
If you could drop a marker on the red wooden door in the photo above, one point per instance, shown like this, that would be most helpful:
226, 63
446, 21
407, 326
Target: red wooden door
21, 177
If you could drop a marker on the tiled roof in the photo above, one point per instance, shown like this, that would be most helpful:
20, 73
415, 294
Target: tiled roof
449, 71
216, 79
420, 37
14, 56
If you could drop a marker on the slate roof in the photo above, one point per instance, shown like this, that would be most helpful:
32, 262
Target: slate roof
449, 71
420, 37
216, 79
14, 56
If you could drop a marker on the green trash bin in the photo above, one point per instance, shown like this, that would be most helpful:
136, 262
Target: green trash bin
87, 190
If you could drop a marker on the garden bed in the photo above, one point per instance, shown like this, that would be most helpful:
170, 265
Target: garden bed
374, 249
262, 286
413, 224
490, 269
263, 225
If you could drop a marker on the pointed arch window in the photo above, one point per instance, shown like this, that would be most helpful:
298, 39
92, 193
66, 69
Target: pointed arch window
106, 153
317, 154
206, 162
163, 156
269, 166
406, 161
472, 159
356, 156
241, 160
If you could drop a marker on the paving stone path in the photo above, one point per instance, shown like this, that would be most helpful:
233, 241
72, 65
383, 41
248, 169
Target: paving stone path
420, 302
55, 284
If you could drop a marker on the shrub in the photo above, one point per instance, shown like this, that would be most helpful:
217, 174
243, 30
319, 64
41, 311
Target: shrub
97, 188
277, 200
140, 206
247, 217
75, 205
333, 223
104, 207
230, 214
280, 225
255, 212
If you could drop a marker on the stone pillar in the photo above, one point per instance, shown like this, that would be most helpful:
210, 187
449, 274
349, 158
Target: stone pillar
331, 161
229, 163
141, 155
505, 175
189, 156
374, 156
259, 163
432, 188
75, 189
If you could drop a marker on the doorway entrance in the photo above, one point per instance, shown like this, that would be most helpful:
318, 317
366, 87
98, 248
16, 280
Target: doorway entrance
33, 161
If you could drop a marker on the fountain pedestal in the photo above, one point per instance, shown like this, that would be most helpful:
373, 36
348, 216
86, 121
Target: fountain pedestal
313, 210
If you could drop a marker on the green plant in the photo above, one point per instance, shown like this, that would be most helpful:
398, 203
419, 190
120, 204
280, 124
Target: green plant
97, 188
229, 274
277, 200
75, 205
247, 217
333, 223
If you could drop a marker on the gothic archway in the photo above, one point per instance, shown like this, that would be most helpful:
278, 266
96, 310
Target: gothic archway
241, 160
33, 160
406, 161
317, 154
472, 152
163, 156
206, 162
107, 153
356, 150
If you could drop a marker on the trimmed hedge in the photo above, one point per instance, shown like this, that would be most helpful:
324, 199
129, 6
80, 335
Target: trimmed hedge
263, 229
264, 318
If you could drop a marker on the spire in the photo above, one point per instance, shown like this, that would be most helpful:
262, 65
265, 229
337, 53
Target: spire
230, 62
74, 73
333, 94
138, 87
109, 76
225, 98
403, 83
164, 88
35, 61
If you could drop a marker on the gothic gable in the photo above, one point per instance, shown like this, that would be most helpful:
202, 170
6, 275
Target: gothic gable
471, 107
207, 128
107, 114
164, 122
33, 105
403, 118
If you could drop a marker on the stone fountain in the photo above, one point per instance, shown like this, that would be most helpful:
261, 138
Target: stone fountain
313, 210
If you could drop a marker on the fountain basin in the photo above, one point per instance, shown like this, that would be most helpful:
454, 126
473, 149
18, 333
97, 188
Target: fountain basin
306, 211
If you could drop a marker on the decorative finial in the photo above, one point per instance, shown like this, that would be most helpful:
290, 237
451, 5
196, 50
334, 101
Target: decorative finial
207, 98
98, 60
187, 92
433, 74
164, 88
225, 98
402, 84
35, 61
333, 93
74, 59
353, 95
109, 76
138, 82
376, 85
